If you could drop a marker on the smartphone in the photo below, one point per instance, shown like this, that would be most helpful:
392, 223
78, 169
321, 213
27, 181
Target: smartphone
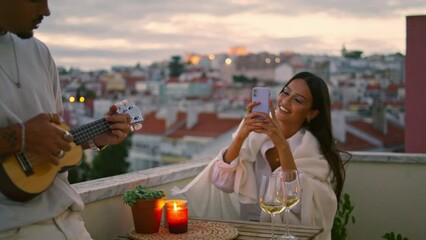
262, 95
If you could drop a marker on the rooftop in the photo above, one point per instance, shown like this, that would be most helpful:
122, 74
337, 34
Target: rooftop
376, 183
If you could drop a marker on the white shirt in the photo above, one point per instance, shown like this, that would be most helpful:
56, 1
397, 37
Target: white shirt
40, 93
318, 203
223, 174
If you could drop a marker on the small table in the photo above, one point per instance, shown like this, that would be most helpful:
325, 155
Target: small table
248, 230
262, 230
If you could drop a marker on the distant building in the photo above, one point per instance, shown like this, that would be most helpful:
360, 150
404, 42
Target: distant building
260, 66
362, 136
115, 82
211, 89
238, 51
176, 137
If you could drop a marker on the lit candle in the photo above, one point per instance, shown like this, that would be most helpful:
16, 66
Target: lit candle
177, 216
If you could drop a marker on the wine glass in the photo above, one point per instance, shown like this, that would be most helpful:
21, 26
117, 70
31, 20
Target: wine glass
272, 197
290, 178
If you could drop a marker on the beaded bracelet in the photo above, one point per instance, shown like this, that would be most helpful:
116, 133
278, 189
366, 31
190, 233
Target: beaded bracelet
22, 136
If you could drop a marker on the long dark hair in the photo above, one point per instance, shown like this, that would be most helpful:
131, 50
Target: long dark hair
320, 127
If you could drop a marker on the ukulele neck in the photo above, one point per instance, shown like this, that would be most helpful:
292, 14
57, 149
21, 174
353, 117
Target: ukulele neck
88, 131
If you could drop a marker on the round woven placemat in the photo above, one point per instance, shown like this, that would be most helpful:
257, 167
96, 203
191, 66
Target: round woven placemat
200, 230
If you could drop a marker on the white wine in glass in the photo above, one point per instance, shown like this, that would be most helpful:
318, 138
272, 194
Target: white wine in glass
293, 193
291, 201
272, 197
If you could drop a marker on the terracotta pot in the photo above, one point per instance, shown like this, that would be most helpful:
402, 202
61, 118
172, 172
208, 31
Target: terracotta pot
147, 215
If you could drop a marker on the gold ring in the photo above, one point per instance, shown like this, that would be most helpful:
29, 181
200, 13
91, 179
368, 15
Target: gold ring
60, 154
248, 109
51, 117
67, 135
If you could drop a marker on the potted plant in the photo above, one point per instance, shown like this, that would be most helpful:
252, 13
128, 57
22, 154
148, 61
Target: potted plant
147, 208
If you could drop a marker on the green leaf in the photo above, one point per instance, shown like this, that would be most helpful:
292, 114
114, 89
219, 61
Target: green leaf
392, 236
140, 192
341, 220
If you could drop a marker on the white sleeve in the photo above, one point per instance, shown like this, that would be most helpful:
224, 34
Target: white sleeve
223, 174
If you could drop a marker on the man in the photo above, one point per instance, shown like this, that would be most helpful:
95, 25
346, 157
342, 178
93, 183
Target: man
30, 114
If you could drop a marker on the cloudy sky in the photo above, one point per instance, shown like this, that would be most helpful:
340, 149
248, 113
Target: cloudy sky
100, 33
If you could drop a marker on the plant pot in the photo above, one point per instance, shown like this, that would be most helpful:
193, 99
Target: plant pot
147, 215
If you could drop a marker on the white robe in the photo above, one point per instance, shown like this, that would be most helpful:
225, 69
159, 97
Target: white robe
318, 203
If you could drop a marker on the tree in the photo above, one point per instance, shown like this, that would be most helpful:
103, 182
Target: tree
80, 173
112, 160
83, 91
244, 80
175, 66
353, 54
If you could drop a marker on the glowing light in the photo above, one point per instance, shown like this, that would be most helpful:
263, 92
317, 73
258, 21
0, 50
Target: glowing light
177, 216
82, 99
228, 61
72, 99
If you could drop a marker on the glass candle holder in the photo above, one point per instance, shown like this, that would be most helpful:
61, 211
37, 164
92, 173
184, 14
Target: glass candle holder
177, 216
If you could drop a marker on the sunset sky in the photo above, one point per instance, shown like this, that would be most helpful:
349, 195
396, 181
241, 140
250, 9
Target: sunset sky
100, 33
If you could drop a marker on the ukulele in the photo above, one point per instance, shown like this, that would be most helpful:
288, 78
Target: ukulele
23, 176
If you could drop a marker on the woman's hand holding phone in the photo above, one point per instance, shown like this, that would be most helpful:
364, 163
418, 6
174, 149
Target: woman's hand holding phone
261, 95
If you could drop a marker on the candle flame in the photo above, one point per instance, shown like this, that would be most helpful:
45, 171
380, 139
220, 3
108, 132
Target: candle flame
175, 206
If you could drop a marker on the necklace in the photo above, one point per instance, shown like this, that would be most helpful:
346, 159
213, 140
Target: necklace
18, 83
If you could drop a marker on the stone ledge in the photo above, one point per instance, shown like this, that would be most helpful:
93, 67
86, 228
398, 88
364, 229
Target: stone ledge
104, 188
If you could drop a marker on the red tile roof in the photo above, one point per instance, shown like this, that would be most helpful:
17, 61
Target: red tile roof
394, 87
152, 125
394, 136
200, 80
173, 80
354, 143
346, 84
208, 125
157, 126
337, 106
373, 87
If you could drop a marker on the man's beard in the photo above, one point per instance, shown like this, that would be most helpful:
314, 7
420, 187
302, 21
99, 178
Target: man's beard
25, 35
29, 34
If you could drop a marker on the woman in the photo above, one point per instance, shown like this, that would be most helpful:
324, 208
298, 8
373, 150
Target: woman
296, 135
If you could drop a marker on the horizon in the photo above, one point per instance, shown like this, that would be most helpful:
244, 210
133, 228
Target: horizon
168, 59
102, 33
